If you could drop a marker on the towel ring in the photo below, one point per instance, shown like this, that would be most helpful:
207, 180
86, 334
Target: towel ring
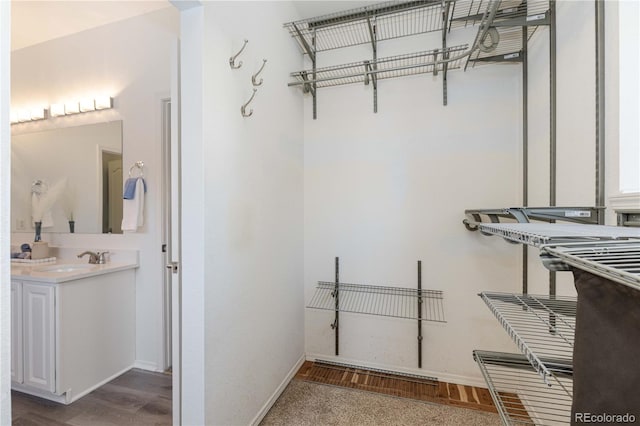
137, 165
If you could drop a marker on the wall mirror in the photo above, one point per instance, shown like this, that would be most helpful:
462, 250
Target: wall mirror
89, 158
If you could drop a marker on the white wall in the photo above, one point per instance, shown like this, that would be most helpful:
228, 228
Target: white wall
5, 191
129, 60
621, 123
252, 211
385, 190
575, 121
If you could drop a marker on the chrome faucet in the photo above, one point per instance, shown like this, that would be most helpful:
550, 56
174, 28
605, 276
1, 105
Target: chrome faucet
95, 258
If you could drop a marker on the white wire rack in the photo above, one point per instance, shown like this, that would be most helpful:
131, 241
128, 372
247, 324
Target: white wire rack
397, 302
543, 327
431, 61
519, 395
352, 27
618, 261
538, 234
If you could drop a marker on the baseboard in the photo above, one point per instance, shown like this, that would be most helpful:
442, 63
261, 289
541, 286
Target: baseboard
267, 406
146, 365
444, 377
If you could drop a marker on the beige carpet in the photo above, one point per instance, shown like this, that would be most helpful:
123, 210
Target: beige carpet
304, 403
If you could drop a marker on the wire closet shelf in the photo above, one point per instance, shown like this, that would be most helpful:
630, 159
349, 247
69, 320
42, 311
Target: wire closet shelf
397, 302
618, 261
542, 327
393, 19
540, 234
431, 61
519, 395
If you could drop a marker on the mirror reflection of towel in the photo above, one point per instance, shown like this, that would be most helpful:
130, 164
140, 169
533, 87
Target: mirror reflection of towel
47, 217
133, 209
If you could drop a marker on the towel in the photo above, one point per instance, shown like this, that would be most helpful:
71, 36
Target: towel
133, 209
130, 187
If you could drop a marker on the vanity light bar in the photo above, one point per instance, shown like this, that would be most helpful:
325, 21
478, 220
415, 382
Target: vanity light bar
56, 110
72, 108
84, 105
60, 110
24, 115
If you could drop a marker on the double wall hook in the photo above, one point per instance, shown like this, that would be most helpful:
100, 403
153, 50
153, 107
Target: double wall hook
232, 60
255, 76
243, 108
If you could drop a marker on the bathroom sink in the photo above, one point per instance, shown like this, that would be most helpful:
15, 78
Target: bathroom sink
72, 267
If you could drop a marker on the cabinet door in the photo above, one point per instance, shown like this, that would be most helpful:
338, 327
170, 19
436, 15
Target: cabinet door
16, 331
39, 334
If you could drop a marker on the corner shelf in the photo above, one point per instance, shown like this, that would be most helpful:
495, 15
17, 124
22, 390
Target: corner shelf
541, 326
397, 302
519, 395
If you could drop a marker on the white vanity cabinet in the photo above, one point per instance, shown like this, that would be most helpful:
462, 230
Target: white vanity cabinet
38, 334
70, 334
32, 335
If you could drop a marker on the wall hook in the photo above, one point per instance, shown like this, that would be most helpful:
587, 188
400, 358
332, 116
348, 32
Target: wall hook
244, 107
255, 76
232, 60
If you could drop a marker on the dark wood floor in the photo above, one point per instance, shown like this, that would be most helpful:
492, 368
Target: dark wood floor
472, 397
136, 398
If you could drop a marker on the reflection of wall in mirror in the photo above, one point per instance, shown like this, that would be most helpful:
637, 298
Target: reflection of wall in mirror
71, 152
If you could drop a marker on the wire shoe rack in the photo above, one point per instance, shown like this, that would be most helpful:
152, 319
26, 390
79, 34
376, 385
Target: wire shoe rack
542, 327
520, 396
396, 302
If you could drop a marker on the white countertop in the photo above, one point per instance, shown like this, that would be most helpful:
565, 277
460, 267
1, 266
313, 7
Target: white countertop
36, 273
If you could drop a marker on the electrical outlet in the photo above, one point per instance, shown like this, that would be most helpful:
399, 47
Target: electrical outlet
20, 224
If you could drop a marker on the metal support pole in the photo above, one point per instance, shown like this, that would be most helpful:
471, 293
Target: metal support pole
313, 62
374, 77
525, 150
445, 66
600, 94
552, 123
552, 103
336, 324
419, 314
